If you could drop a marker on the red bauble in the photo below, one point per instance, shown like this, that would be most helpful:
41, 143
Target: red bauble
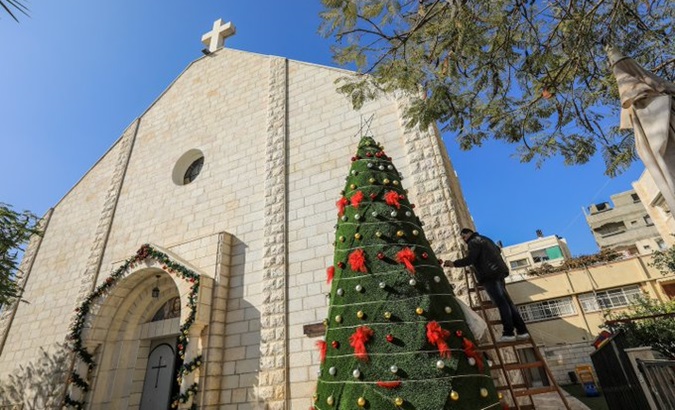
425, 255
401, 196
341, 265
459, 333
369, 154
390, 338
335, 344
373, 196
440, 262
353, 159
380, 255
412, 206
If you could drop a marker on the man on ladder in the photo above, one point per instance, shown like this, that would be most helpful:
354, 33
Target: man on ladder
486, 258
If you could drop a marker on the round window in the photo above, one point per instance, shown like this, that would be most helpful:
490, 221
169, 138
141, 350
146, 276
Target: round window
188, 167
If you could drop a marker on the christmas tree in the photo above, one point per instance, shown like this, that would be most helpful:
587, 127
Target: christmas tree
396, 338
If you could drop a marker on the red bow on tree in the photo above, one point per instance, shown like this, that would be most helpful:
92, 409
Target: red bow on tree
406, 256
321, 344
437, 336
391, 198
330, 272
357, 261
357, 198
358, 341
470, 351
341, 204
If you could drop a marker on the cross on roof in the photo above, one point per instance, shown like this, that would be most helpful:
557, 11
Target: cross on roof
215, 38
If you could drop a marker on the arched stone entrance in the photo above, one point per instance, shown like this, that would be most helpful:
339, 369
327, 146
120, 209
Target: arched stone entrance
121, 333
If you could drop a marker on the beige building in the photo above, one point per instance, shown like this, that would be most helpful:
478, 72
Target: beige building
232, 176
524, 256
625, 227
656, 207
564, 310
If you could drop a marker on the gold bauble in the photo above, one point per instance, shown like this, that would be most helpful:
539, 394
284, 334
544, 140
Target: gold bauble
360, 314
398, 401
483, 392
400, 234
371, 180
454, 395
357, 236
395, 182
500, 396
325, 322
387, 315
415, 232
367, 143
330, 400
385, 181
338, 319
315, 397
378, 234
361, 402
341, 238
352, 186
419, 310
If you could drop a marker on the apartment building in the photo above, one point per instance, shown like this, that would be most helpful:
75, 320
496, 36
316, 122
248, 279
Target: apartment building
521, 257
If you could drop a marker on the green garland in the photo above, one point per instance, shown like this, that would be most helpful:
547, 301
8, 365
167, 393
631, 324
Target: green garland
75, 336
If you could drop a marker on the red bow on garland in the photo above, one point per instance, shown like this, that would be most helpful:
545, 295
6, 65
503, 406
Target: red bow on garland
357, 261
470, 351
437, 336
321, 344
341, 204
406, 256
356, 199
358, 341
391, 198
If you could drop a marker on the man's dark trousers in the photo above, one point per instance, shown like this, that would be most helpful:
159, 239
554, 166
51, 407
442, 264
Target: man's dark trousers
511, 318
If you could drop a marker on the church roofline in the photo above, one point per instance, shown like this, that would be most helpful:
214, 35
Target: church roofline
168, 87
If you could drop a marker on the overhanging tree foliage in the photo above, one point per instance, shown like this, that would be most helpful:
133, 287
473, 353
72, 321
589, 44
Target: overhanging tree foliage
13, 6
15, 230
533, 73
648, 322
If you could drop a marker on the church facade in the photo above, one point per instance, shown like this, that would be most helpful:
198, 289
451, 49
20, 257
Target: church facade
197, 245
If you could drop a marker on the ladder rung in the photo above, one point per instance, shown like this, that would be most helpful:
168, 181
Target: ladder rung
494, 322
514, 386
479, 288
536, 390
502, 344
484, 305
515, 365
518, 366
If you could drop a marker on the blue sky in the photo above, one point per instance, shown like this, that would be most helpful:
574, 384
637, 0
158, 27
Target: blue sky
75, 74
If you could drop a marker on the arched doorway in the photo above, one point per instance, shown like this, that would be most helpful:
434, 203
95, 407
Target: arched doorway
136, 335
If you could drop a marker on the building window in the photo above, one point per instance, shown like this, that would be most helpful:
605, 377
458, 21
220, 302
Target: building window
548, 309
661, 244
547, 254
188, 167
648, 220
609, 299
611, 228
520, 263
636, 197
193, 170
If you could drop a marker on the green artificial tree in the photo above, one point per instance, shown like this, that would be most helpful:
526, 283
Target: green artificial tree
396, 337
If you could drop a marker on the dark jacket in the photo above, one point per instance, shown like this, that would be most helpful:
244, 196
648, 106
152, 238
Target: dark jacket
486, 258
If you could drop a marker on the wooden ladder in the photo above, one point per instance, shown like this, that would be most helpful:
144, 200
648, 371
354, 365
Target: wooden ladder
510, 373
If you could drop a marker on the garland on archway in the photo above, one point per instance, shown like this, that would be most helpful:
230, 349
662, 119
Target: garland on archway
75, 336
